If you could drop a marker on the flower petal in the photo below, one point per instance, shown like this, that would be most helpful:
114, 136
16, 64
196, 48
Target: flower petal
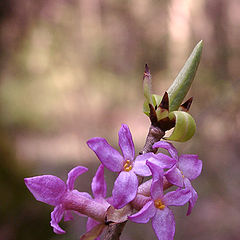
109, 156
190, 165
126, 143
103, 201
125, 189
163, 224
56, 216
84, 194
145, 214
194, 197
110, 200
163, 160
177, 198
175, 176
140, 167
47, 188
73, 174
168, 146
157, 183
99, 186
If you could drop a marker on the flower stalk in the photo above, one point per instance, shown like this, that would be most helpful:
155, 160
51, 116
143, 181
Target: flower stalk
85, 206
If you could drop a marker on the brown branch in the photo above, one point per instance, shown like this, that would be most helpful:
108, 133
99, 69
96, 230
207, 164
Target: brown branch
154, 135
114, 230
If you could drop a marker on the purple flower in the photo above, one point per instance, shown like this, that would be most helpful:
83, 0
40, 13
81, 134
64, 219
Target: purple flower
126, 184
99, 189
157, 210
187, 168
53, 191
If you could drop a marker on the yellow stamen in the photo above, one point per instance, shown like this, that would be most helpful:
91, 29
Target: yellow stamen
158, 204
127, 166
182, 174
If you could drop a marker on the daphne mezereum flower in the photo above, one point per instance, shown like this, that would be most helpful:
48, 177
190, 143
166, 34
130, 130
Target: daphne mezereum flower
187, 168
53, 191
126, 184
157, 210
99, 190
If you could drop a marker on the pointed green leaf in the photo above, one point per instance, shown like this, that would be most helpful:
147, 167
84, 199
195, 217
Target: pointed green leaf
185, 126
178, 90
156, 100
146, 109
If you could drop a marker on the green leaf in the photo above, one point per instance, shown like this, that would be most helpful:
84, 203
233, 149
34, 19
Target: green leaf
185, 126
179, 89
156, 100
146, 108
161, 113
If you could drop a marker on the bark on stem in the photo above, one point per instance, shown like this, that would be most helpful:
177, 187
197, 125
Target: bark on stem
154, 135
114, 230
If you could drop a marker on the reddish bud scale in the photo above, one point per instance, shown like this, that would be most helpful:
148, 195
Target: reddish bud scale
186, 106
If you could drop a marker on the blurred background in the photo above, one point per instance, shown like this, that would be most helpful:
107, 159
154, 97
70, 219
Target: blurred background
72, 70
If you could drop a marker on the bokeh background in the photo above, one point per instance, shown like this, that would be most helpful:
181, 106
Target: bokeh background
71, 70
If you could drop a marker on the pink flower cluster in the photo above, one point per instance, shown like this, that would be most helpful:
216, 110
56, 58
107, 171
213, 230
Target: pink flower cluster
175, 170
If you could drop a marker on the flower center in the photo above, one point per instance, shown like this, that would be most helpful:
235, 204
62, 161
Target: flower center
158, 204
182, 174
127, 166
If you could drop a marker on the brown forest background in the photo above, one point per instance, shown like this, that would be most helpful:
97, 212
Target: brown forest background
72, 70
